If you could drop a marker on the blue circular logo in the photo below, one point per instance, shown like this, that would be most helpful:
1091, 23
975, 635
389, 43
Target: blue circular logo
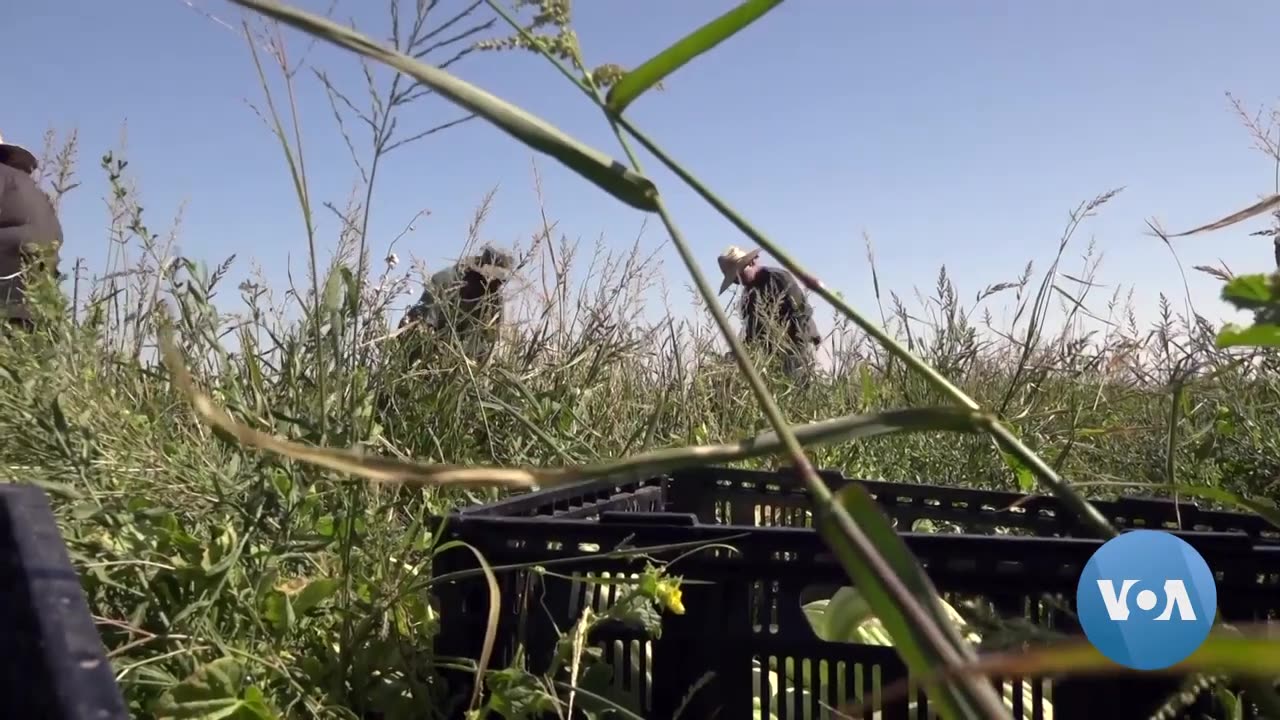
1146, 599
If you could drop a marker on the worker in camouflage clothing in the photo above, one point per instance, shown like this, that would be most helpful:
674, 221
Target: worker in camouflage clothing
464, 302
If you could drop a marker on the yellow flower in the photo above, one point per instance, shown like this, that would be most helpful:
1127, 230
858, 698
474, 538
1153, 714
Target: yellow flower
669, 595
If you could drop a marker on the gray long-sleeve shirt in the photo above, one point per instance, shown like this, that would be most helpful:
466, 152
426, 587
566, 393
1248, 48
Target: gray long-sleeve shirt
28, 227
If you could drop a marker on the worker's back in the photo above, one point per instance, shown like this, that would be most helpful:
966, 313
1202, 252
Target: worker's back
29, 231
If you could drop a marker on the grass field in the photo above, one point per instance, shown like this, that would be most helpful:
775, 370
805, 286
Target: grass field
307, 590
190, 545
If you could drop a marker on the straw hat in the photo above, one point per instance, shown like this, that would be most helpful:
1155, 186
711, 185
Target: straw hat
732, 261
17, 156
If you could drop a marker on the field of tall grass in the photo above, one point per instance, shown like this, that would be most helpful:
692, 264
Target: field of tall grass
267, 587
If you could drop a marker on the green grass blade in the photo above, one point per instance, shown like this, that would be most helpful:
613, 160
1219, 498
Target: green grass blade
607, 173
491, 627
1232, 654
840, 429
1241, 655
638, 81
907, 637
1262, 506
1262, 206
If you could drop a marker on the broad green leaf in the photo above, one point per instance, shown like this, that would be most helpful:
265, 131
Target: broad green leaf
1251, 292
212, 692
641, 613
1230, 703
635, 83
333, 292
955, 699
1262, 335
1025, 476
518, 694
607, 173
846, 610
316, 592
278, 611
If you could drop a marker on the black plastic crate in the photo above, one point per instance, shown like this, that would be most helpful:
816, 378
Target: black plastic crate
1020, 556
53, 665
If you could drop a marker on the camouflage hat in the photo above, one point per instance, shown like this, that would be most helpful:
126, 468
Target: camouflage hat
491, 264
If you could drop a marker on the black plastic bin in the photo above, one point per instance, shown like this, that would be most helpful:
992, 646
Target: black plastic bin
1020, 554
53, 666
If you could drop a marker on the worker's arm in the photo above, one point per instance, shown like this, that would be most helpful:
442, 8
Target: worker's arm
801, 312
427, 312
750, 317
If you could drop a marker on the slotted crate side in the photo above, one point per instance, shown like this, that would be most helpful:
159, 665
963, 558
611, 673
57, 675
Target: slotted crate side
535, 607
55, 667
721, 495
1015, 578
724, 629
754, 497
578, 500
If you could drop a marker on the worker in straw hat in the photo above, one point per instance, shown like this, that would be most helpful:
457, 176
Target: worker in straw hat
30, 234
465, 300
776, 314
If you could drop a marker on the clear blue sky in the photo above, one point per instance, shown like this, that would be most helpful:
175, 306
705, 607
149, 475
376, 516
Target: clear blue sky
956, 133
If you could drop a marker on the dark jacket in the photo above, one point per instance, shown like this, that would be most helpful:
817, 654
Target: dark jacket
776, 297
29, 229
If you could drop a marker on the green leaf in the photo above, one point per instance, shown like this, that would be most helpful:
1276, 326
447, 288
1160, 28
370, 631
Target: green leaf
1251, 292
1026, 478
278, 611
635, 83
641, 613
212, 692
954, 699
1261, 335
607, 173
316, 592
1223, 653
353, 290
333, 292
846, 610
518, 694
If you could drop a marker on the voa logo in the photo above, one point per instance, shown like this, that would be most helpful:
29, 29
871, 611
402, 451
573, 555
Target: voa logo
1146, 599
1175, 594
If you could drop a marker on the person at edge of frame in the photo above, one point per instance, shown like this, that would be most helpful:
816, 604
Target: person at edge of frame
30, 234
